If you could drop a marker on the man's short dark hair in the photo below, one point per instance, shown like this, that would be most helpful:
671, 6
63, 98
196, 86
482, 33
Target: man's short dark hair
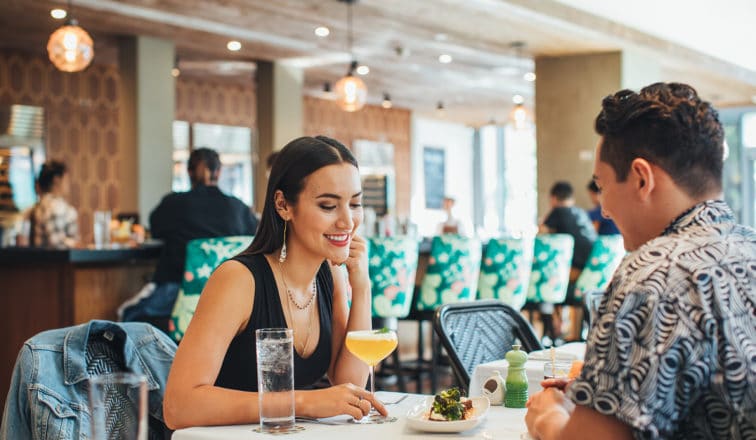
47, 174
668, 125
561, 191
207, 156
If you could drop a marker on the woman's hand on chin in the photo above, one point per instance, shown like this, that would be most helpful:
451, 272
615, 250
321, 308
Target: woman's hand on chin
337, 400
357, 264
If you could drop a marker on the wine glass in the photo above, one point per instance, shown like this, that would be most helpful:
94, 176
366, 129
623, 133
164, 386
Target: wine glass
371, 347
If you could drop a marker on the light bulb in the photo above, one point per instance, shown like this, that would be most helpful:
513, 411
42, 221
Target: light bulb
351, 93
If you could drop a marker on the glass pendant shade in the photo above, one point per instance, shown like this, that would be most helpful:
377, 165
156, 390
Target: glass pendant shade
70, 48
519, 116
351, 93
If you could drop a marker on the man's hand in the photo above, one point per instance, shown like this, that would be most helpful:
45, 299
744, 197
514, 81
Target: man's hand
548, 413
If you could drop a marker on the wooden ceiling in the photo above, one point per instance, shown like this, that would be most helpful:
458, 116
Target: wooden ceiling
400, 40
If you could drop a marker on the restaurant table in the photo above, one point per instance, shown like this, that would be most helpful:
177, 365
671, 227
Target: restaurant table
533, 367
500, 423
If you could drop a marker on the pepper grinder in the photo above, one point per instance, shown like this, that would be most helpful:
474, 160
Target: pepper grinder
517, 380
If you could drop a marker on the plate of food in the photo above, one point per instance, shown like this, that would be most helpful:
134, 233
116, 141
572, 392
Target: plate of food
448, 412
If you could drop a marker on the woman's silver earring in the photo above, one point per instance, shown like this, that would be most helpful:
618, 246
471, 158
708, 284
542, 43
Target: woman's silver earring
282, 255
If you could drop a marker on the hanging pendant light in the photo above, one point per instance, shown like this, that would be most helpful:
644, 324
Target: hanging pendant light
70, 47
351, 91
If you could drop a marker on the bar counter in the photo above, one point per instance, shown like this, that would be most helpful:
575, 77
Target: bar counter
44, 289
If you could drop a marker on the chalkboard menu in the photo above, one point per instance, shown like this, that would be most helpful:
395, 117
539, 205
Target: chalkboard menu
433, 164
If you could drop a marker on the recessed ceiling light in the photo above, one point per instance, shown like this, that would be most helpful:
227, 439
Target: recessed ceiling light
530, 76
233, 45
363, 69
322, 31
58, 13
518, 99
445, 58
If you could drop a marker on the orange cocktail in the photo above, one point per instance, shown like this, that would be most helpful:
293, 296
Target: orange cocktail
371, 346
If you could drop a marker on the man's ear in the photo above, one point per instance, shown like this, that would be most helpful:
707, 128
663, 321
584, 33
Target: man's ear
282, 206
642, 175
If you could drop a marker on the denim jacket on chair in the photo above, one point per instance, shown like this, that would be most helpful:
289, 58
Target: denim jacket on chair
48, 393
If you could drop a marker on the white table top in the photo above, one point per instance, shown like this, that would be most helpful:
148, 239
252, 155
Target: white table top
533, 367
500, 423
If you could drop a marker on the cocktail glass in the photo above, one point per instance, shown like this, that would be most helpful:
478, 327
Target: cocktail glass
371, 347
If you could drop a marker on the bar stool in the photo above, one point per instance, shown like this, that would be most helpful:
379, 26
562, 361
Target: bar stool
451, 276
550, 274
392, 264
203, 255
505, 271
606, 255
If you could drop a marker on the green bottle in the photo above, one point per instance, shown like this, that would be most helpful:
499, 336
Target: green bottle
517, 380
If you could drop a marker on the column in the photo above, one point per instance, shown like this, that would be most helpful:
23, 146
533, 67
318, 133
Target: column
148, 97
279, 115
569, 90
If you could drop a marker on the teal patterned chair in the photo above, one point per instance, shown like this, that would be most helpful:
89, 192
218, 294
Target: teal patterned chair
606, 255
392, 266
452, 273
550, 273
202, 257
451, 276
392, 263
505, 271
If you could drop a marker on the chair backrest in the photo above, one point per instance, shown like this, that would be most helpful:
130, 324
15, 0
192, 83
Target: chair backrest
479, 332
452, 272
203, 255
505, 271
550, 274
392, 263
606, 255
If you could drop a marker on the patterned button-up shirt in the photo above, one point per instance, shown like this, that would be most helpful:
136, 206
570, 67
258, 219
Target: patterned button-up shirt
55, 223
673, 351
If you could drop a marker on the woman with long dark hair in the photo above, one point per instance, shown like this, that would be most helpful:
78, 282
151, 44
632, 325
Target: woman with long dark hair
288, 277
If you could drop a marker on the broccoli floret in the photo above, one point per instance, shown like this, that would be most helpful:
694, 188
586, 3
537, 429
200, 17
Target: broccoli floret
448, 404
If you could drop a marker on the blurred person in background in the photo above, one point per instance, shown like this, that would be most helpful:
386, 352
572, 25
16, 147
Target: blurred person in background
603, 225
566, 218
54, 222
202, 212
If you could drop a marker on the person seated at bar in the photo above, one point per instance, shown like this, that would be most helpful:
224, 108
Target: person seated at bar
603, 225
451, 225
672, 352
54, 222
286, 278
566, 218
202, 212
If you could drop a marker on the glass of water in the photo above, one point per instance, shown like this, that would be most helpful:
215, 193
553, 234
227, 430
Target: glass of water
275, 379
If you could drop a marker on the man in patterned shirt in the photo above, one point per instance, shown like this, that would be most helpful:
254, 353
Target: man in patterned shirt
673, 351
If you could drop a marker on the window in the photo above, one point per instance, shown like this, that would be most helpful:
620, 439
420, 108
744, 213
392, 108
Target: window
233, 144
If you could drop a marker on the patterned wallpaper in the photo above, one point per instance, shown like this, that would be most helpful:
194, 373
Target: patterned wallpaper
81, 118
215, 101
81, 112
372, 123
